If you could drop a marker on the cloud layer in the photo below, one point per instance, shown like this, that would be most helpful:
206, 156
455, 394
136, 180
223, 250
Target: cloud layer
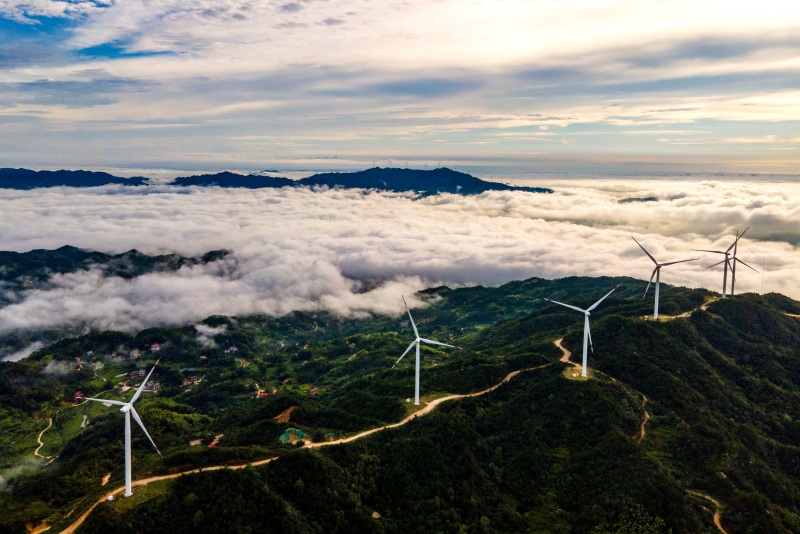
356, 252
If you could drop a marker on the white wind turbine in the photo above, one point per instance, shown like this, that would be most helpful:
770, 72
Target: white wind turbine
657, 274
587, 332
735, 259
727, 262
128, 410
417, 342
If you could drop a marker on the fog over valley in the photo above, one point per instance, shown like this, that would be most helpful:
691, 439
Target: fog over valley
355, 252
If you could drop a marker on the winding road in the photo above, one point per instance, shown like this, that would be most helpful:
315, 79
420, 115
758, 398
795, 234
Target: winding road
427, 409
430, 406
717, 512
39, 439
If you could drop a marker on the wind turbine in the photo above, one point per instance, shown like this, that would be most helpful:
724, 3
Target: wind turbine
128, 410
735, 259
417, 342
727, 261
657, 274
587, 332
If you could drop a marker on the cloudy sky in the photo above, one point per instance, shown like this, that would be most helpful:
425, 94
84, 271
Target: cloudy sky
357, 252
320, 84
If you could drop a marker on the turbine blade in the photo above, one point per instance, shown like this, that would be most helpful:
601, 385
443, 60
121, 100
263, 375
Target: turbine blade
743, 263
738, 237
141, 387
593, 306
679, 261
136, 416
718, 263
118, 403
567, 305
432, 342
712, 251
645, 250
406, 352
589, 330
412, 319
650, 282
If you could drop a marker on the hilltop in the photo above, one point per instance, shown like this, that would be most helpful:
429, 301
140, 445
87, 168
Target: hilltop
702, 404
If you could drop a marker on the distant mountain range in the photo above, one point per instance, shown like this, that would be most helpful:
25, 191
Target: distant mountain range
28, 179
435, 181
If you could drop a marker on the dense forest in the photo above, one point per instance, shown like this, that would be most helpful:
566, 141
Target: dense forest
705, 404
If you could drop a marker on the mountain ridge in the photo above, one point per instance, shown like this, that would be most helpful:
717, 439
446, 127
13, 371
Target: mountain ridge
542, 452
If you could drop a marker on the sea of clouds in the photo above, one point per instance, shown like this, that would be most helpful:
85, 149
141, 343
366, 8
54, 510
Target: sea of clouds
356, 252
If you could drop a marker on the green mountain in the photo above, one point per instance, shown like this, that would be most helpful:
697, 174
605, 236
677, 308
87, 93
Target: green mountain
700, 407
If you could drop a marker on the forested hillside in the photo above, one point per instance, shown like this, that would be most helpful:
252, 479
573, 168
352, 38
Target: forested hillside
701, 404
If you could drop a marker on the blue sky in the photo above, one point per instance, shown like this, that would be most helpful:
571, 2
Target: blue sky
534, 84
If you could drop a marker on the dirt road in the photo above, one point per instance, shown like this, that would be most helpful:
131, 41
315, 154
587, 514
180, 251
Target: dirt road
645, 419
427, 409
39, 440
716, 503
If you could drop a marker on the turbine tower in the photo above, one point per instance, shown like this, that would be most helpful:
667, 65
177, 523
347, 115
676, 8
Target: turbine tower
587, 332
657, 274
727, 262
417, 342
128, 410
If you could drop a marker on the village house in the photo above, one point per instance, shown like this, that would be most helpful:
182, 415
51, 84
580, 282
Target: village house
194, 379
155, 347
135, 353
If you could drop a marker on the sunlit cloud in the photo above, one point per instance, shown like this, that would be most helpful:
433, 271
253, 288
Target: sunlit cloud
355, 252
385, 74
